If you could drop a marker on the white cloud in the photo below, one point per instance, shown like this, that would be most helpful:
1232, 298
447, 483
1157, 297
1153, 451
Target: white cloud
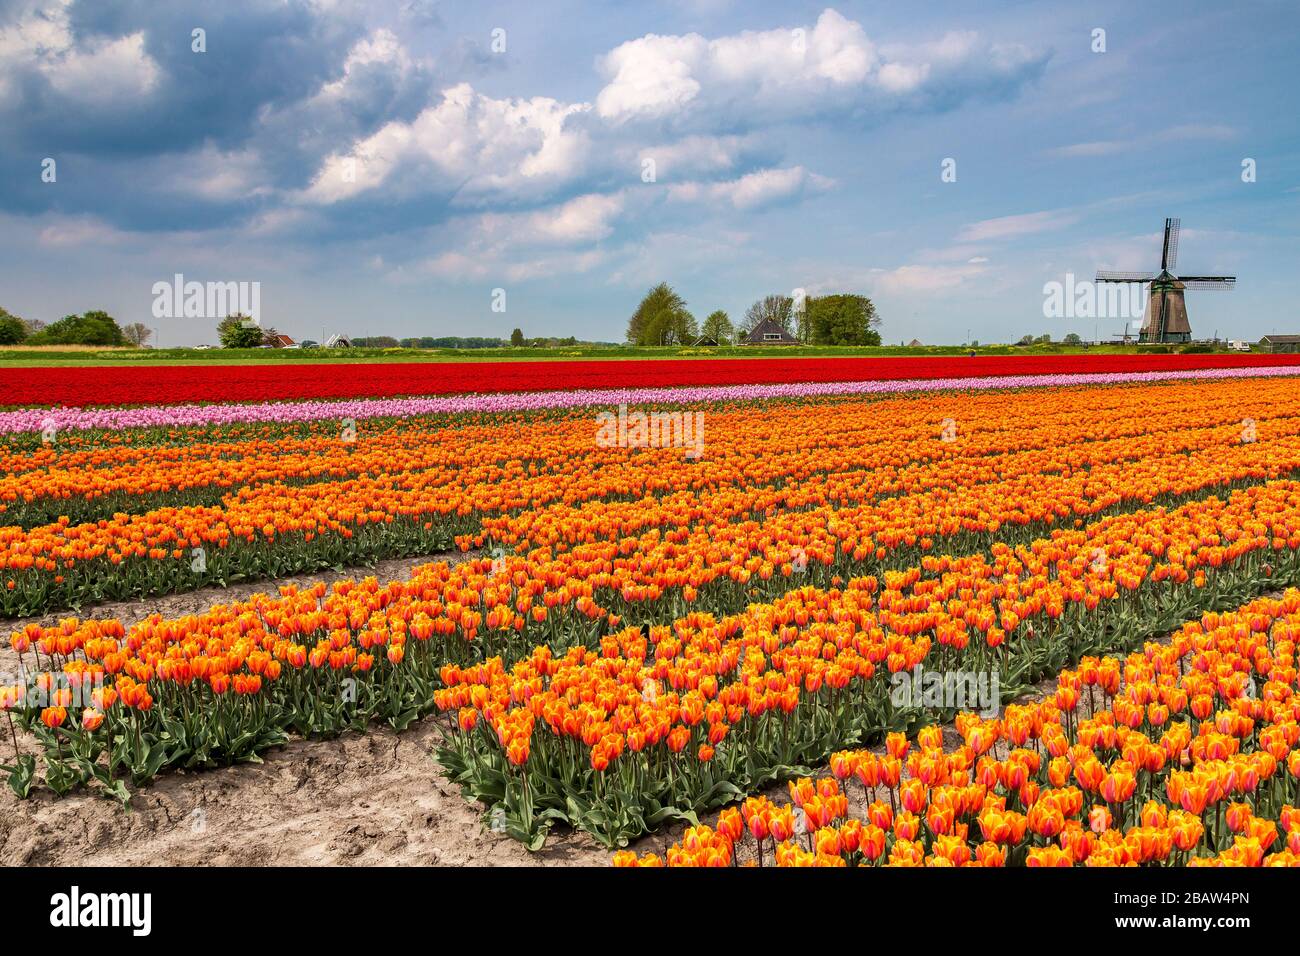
276, 221
1010, 227
104, 71
1143, 139
216, 176
469, 145
512, 245
923, 279
656, 76
382, 50
679, 254
96, 70
555, 264
776, 75
78, 231
582, 219
689, 155
457, 266
761, 188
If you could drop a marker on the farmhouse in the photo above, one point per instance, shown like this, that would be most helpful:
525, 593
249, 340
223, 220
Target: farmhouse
769, 332
1280, 343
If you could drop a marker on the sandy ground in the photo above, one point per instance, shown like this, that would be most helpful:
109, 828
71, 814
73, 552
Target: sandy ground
374, 799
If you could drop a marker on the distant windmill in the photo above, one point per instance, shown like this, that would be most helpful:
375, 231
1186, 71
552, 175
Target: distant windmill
1166, 316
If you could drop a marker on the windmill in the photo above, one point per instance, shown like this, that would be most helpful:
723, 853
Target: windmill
1166, 315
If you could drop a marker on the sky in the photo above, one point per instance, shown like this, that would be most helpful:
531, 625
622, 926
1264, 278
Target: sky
418, 167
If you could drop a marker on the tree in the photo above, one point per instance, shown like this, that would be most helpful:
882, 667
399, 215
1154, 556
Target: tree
661, 308
777, 307
718, 327
670, 327
93, 328
12, 329
1072, 339
238, 331
517, 338
137, 333
844, 319
1026, 340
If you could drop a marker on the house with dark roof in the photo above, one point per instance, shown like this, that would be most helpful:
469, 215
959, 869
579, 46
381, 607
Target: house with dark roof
769, 332
1280, 343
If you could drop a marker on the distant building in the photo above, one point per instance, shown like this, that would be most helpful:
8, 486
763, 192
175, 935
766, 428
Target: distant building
915, 344
706, 341
1280, 343
279, 341
769, 332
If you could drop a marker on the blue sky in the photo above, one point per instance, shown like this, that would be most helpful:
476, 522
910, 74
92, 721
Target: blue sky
381, 167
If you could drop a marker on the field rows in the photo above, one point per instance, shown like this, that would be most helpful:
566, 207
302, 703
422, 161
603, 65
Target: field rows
121, 384
651, 635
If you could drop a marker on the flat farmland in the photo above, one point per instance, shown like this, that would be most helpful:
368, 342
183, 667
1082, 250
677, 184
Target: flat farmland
844, 612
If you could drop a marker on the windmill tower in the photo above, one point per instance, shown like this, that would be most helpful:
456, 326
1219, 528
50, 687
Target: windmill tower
1166, 315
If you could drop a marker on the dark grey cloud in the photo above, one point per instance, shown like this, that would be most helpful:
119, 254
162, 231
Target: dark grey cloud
275, 77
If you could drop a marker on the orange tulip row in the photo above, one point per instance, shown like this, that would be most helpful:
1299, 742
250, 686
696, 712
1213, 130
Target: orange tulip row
796, 671
1182, 754
784, 680
761, 504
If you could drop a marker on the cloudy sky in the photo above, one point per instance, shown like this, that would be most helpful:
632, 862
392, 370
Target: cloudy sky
383, 167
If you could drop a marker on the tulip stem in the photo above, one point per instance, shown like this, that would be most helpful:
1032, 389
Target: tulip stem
12, 733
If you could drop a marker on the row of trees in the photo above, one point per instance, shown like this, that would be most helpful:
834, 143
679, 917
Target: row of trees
90, 328
1072, 338
662, 318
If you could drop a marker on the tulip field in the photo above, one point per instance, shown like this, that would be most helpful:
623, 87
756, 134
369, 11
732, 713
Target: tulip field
627, 639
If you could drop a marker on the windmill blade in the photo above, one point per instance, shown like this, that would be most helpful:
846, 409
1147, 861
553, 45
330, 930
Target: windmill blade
1172, 227
1106, 275
1224, 283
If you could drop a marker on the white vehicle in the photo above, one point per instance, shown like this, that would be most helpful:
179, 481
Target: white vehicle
1237, 345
